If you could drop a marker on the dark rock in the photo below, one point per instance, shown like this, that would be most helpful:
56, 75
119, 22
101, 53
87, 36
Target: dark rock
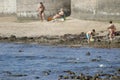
82, 76
13, 36
118, 70
88, 53
7, 72
46, 73
37, 77
61, 76
24, 38
98, 40
82, 34
66, 77
5, 38
70, 72
117, 33
95, 60
87, 78
31, 38
78, 77
96, 77
20, 51
101, 31
18, 75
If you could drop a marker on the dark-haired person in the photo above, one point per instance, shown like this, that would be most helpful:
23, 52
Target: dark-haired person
90, 35
111, 30
41, 10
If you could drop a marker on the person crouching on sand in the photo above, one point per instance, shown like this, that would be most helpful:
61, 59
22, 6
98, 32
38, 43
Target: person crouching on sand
41, 10
90, 35
111, 30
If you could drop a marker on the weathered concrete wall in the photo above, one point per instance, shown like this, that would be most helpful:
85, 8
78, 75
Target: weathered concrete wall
83, 8
96, 9
108, 9
28, 8
7, 6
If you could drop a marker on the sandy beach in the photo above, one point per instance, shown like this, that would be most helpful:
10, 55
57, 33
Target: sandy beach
10, 26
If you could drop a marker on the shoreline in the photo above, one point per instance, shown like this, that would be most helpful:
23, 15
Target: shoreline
67, 40
69, 32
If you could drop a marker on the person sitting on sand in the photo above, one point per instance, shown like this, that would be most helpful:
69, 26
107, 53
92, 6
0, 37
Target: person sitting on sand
111, 30
90, 35
59, 14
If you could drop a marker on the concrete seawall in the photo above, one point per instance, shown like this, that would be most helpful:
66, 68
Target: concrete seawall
28, 8
8, 7
96, 9
82, 9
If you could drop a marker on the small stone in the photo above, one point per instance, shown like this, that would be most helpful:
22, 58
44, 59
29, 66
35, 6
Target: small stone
18, 75
7, 72
66, 77
46, 73
88, 53
37, 77
95, 60
13, 36
20, 51
61, 76
118, 70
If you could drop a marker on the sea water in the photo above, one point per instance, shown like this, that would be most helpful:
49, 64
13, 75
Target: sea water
38, 62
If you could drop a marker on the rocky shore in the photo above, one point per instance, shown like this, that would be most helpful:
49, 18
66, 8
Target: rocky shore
70, 75
69, 33
70, 40
73, 76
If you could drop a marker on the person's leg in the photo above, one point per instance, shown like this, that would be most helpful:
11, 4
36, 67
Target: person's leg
43, 16
56, 16
113, 32
88, 38
110, 34
40, 16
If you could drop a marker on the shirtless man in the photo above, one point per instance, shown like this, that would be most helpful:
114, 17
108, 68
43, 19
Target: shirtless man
111, 30
59, 14
90, 34
41, 9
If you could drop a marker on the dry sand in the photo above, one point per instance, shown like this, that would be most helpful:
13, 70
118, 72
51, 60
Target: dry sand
10, 26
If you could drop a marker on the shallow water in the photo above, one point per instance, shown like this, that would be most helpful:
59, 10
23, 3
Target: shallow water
33, 62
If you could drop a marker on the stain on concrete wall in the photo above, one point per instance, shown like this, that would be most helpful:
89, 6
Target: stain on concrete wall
109, 7
96, 9
28, 8
7, 6
83, 8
